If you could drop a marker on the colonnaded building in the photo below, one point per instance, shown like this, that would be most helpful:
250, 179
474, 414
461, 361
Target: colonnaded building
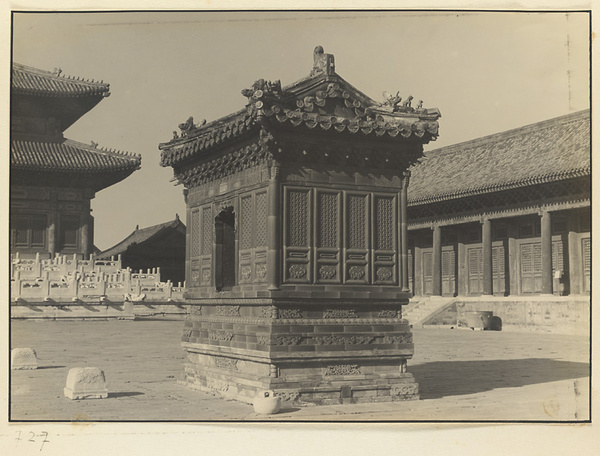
53, 179
503, 223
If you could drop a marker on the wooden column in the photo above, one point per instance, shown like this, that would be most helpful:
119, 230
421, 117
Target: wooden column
188, 239
546, 253
437, 261
404, 231
274, 230
575, 263
52, 216
486, 239
85, 236
418, 275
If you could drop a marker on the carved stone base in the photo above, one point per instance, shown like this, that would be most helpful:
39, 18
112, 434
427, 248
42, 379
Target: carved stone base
316, 353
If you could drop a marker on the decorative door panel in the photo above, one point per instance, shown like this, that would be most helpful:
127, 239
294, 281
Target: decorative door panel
448, 271
246, 239
328, 237
253, 238
587, 263
530, 260
498, 270
475, 270
297, 235
427, 272
357, 268
385, 239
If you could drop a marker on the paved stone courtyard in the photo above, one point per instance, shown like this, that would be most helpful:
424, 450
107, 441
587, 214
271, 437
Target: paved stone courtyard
463, 375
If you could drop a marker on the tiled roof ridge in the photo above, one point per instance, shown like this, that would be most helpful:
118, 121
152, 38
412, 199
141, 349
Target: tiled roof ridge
104, 151
75, 86
518, 131
550, 177
267, 99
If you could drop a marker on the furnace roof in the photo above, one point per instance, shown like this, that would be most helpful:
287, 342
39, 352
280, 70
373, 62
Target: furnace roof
546, 151
323, 99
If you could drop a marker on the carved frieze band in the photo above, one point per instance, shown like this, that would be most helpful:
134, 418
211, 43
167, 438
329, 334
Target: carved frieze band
226, 363
340, 313
343, 369
404, 390
220, 336
343, 340
228, 311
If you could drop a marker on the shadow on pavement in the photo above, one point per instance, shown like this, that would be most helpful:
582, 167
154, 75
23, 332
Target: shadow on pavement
452, 378
125, 394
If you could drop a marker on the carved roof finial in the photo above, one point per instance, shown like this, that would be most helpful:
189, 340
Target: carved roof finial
323, 63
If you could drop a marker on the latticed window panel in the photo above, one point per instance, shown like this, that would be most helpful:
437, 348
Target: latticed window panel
195, 233
475, 262
498, 261
587, 254
207, 229
328, 220
448, 263
385, 223
246, 223
531, 258
557, 256
21, 227
298, 218
38, 231
357, 227
261, 219
69, 231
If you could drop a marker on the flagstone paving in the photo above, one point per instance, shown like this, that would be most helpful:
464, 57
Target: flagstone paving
463, 375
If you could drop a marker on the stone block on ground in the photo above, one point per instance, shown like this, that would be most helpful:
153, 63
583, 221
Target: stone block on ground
23, 358
86, 383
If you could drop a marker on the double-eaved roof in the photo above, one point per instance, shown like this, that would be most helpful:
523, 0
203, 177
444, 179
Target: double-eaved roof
27, 80
323, 101
546, 151
51, 99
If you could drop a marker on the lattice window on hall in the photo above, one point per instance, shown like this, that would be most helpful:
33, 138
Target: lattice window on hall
69, 231
448, 260
475, 262
328, 220
207, 229
20, 230
298, 218
587, 254
261, 219
246, 223
38, 231
195, 233
357, 227
427, 264
557, 256
384, 208
498, 261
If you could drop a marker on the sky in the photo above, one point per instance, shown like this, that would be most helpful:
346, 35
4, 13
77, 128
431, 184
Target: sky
486, 73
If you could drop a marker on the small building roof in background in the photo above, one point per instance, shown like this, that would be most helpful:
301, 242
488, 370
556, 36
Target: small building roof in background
27, 80
546, 151
139, 236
